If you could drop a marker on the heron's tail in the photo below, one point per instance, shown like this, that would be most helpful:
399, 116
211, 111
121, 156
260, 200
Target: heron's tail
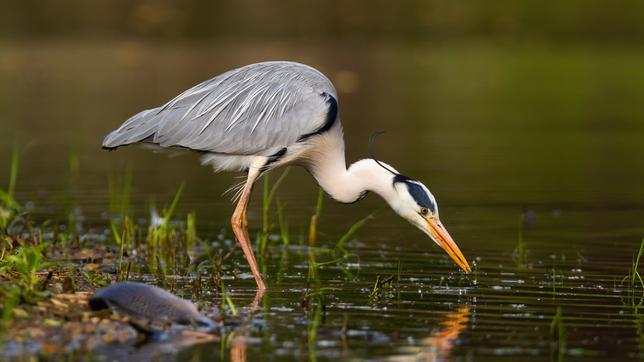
139, 128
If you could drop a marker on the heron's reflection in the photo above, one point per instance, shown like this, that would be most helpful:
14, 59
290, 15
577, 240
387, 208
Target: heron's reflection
238, 348
239, 340
438, 345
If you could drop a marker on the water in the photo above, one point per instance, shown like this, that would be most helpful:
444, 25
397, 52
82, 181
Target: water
498, 132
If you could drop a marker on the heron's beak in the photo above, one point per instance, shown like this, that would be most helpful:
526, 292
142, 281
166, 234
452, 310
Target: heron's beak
438, 232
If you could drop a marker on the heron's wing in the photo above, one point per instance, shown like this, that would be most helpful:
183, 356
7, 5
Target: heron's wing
246, 111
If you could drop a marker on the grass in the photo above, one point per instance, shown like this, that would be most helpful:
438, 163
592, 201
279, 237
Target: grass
633, 279
315, 218
124, 231
9, 207
520, 252
315, 321
352, 230
191, 230
10, 300
72, 209
267, 199
162, 236
558, 335
21, 269
29, 276
167, 250
382, 288
226, 301
120, 189
285, 234
269, 192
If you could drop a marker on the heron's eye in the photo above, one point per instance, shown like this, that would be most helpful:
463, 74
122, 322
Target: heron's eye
424, 211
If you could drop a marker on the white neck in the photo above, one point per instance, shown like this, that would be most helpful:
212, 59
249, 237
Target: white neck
349, 185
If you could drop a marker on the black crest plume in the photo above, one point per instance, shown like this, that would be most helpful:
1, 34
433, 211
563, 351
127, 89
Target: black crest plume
372, 154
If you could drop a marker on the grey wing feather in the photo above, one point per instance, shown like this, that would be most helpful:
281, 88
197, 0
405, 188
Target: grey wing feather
252, 110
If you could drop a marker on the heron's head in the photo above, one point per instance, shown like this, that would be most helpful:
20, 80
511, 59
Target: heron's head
414, 202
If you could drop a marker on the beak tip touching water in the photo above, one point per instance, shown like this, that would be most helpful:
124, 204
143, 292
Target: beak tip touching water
440, 235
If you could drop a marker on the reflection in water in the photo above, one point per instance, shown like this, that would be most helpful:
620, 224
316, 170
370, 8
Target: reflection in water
238, 339
439, 344
238, 348
442, 342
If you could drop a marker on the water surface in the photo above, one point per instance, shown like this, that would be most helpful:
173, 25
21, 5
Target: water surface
550, 135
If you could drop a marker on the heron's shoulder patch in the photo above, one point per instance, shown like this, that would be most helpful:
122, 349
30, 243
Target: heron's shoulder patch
331, 117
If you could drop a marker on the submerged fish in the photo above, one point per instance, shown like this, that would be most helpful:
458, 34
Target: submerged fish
148, 302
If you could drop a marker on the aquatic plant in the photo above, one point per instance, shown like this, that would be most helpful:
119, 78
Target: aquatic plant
633, 278
119, 189
520, 252
638, 319
231, 306
10, 298
161, 234
352, 230
558, 335
314, 324
313, 225
22, 267
285, 234
9, 207
71, 207
125, 238
226, 301
191, 230
124, 230
96, 279
267, 198
382, 288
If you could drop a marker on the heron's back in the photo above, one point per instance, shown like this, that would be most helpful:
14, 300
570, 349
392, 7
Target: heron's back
254, 110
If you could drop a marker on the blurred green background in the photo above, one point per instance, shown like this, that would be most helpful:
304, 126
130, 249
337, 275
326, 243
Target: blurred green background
496, 106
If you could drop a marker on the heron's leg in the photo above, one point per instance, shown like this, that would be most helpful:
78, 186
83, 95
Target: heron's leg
240, 226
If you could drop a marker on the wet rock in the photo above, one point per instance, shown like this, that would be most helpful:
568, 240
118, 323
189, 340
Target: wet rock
148, 302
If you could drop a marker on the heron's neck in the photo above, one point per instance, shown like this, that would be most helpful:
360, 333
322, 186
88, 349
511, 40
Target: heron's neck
349, 185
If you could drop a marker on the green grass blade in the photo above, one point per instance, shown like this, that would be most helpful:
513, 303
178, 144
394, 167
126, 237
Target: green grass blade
313, 226
230, 304
13, 175
284, 231
173, 205
277, 184
352, 230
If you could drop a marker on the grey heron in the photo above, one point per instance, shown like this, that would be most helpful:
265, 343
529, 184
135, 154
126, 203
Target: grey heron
265, 115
